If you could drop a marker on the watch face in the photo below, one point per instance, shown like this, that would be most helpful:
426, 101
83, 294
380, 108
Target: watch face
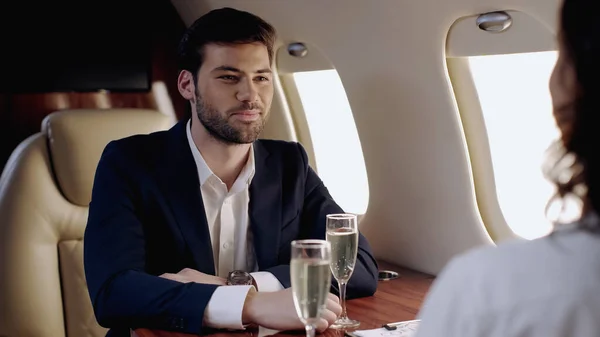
239, 277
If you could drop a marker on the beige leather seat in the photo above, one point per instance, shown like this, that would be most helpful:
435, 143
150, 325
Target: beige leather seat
45, 191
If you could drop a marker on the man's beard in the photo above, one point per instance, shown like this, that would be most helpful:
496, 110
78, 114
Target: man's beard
219, 127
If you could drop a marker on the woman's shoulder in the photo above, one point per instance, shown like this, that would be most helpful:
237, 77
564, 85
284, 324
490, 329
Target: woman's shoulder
537, 267
486, 288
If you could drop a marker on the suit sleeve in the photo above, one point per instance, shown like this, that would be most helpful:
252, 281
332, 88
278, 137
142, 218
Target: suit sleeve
317, 204
122, 293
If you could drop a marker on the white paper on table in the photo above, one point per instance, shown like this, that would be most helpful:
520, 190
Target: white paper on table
403, 329
263, 332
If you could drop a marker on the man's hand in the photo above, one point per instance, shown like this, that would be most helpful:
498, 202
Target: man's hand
276, 310
190, 275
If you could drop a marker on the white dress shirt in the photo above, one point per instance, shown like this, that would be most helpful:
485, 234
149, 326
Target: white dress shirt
231, 238
548, 287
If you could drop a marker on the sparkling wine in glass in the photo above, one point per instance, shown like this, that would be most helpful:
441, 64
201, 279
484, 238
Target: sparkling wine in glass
342, 233
311, 280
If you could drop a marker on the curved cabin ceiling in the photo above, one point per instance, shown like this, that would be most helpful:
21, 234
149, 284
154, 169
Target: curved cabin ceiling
390, 55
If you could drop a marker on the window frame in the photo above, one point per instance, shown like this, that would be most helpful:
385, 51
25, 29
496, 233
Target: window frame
465, 40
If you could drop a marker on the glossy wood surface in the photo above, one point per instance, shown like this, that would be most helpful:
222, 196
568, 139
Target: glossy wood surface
395, 300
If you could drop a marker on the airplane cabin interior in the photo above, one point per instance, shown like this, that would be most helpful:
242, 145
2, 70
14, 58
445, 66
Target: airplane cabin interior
430, 120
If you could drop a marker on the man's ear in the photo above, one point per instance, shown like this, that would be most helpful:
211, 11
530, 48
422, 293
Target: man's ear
186, 85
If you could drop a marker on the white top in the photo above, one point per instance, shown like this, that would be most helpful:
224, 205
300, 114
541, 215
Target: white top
548, 287
228, 224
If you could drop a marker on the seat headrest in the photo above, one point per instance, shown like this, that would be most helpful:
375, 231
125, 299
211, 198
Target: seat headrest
76, 139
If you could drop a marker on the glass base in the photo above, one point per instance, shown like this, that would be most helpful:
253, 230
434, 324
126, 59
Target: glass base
344, 323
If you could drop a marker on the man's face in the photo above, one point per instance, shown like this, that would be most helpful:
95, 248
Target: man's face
234, 91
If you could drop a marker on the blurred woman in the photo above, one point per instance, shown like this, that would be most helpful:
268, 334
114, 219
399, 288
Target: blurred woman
550, 286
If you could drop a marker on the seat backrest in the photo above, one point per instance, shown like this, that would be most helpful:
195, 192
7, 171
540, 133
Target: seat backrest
45, 190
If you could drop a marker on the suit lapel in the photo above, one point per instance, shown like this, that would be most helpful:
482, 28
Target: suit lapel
265, 207
179, 181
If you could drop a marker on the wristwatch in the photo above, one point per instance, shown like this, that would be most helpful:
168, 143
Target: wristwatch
239, 278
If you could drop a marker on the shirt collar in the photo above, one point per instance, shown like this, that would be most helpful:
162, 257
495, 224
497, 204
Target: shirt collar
204, 172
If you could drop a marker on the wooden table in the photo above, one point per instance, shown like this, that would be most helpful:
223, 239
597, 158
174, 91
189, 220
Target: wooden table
395, 300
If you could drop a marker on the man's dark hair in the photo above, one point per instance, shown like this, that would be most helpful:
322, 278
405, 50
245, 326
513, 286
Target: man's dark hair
222, 26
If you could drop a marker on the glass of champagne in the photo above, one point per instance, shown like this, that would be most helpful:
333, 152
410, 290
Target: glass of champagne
311, 280
342, 232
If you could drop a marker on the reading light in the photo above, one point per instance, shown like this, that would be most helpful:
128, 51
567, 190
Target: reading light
297, 49
494, 22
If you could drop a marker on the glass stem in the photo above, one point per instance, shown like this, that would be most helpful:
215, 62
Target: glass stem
310, 330
342, 284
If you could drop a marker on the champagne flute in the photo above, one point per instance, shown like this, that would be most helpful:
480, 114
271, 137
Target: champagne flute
342, 232
311, 280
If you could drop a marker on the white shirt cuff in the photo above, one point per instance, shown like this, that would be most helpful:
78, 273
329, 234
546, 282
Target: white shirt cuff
266, 282
224, 310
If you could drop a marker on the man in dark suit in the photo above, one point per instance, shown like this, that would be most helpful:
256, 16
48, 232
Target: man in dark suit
174, 212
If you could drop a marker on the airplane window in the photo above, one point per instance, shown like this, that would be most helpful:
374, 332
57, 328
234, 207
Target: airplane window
517, 110
338, 153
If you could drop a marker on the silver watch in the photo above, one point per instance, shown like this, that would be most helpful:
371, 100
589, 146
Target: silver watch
238, 278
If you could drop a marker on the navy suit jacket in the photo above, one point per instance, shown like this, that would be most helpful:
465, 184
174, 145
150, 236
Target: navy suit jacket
146, 218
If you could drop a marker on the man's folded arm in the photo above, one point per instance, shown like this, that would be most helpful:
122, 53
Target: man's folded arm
224, 310
122, 293
282, 273
266, 281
